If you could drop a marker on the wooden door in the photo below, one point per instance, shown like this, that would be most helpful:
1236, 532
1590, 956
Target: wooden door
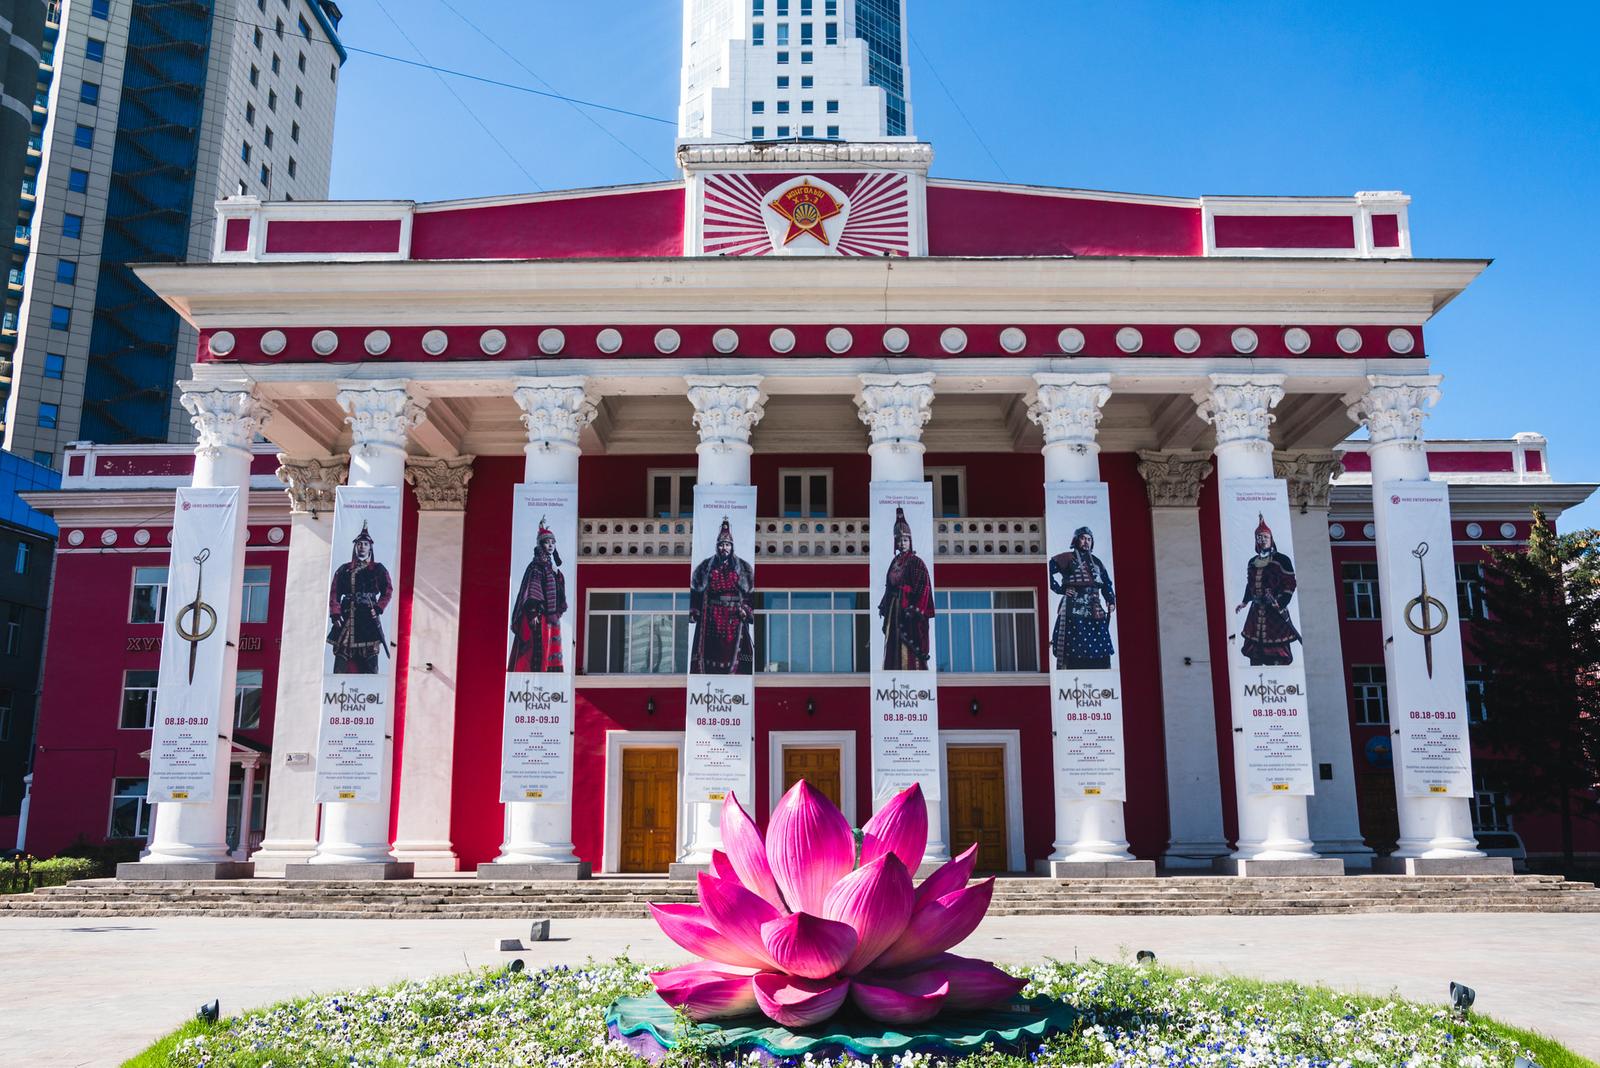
1380, 814
649, 809
819, 767
977, 793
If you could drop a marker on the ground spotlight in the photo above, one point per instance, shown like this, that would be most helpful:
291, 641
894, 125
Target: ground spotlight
515, 966
1462, 996
1523, 1062
1145, 956
209, 1012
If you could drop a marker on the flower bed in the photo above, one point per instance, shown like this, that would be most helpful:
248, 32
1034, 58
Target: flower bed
1133, 1016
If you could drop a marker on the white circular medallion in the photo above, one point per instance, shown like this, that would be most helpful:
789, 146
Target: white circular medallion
1297, 340
434, 342
222, 342
141, 537
75, 537
1070, 340
168, 536
273, 342
108, 537
1244, 340
667, 340
725, 340
896, 339
608, 340
552, 341
1401, 341
1186, 338
275, 535
1129, 339
376, 342
1369, 531
1508, 530
1474, 530
840, 340
492, 342
781, 340
1349, 339
953, 340
1336, 531
1013, 339
323, 342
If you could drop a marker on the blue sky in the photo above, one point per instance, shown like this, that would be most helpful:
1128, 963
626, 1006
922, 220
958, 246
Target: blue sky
1488, 116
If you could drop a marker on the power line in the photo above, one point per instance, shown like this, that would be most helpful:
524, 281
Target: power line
978, 136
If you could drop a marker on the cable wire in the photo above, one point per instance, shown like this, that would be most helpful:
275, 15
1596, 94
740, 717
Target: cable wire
959, 111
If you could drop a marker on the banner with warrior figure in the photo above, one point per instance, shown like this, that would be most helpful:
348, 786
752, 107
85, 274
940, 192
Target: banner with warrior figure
536, 732
1422, 640
1266, 669
358, 664
1085, 672
198, 643
905, 705
719, 726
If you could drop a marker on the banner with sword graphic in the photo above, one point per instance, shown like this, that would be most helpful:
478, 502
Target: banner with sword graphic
194, 697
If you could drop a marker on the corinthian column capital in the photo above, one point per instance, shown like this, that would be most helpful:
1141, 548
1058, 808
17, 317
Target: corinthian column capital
1310, 475
896, 408
311, 483
1393, 407
1172, 479
381, 414
726, 408
1240, 408
555, 410
226, 415
1067, 408
440, 484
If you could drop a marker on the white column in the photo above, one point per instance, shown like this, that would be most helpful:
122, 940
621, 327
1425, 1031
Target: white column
22, 817
427, 753
381, 415
1090, 833
1335, 819
226, 419
1188, 713
291, 836
246, 810
895, 409
726, 411
1272, 827
1436, 834
555, 411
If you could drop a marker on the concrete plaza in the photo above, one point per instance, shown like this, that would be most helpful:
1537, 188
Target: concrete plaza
87, 992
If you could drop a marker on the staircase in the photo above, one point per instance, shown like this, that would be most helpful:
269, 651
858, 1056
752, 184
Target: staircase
466, 898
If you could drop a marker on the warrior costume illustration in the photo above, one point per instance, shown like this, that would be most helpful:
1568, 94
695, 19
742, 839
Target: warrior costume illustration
1268, 632
907, 604
536, 616
721, 607
1082, 634
361, 591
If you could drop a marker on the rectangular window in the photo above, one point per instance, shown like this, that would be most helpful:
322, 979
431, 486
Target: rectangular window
44, 458
244, 151
1490, 812
806, 37
19, 563
758, 107
49, 415
783, 57
758, 35
812, 631
293, 167
83, 136
783, 131
830, 33
278, 29
642, 633
783, 81
94, 50
55, 365
77, 181
949, 491
1478, 676
305, 28
253, 598
71, 225
299, 96
783, 107
60, 318
808, 131
833, 133
272, 100
1360, 591
255, 75
138, 700
806, 493
807, 106
130, 815
266, 176
301, 62
89, 93
783, 7
266, 137
294, 132
807, 81
1369, 692
100, 9
250, 114
247, 699
277, 64
986, 631
830, 7
805, 57
672, 492
783, 34
758, 8
757, 132
67, 272
258, 37
14, 630
149, 595
833, 107
805, 8
1469, 593
6, 701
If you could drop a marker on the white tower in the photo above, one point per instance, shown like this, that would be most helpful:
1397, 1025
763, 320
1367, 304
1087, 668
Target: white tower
763, 70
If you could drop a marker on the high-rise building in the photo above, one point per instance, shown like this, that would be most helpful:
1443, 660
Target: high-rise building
156, 109
759, 70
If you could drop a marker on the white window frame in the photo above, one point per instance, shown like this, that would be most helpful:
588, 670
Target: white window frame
249, 591
1362, 693
865, 612
160, 599
589, 630
677, 474
19, 563
806, 474
933, 474
150, 705
1360, 587
239, 691
844, 741
1497, 804
7, 699
616, 742
1011, 742
1471, 589
1480, 683
14, 618
141, 822
948, 613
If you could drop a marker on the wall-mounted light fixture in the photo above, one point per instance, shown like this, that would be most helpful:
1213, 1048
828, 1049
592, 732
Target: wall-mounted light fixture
811, 706
974, 706
649, 706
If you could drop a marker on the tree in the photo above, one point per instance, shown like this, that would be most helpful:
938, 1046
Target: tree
1542, 646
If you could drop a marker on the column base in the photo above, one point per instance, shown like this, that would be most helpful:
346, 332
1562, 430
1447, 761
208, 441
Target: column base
273, 856
1442, 866
1356, 854
1193, 854
139, 871
547, 872
428, 860
1097, 869
686, 872
354, 871
1279, 869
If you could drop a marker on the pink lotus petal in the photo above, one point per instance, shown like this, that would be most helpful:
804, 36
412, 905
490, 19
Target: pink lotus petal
737, 914
808, 946
951, 876
910, 999
748, 853
900, 827
722, 867
939, 925
795, 1002
810, 847
692, 929
975, 984
876, 900
707, 993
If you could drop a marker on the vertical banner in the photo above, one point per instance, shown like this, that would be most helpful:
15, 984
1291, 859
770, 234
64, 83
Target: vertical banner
358, 662
536, 733
1427, 680
1085, 670
1266, 670
905, 703
190, 703
719, 726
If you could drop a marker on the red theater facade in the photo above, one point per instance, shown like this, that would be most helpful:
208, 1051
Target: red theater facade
816, 331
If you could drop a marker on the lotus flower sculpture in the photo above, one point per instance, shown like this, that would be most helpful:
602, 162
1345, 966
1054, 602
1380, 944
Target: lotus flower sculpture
792, 926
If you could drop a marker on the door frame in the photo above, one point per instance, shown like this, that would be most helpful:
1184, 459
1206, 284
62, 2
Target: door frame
844, 741
1010, 744
616, 742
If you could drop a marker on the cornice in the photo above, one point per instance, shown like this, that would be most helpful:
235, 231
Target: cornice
757, 155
